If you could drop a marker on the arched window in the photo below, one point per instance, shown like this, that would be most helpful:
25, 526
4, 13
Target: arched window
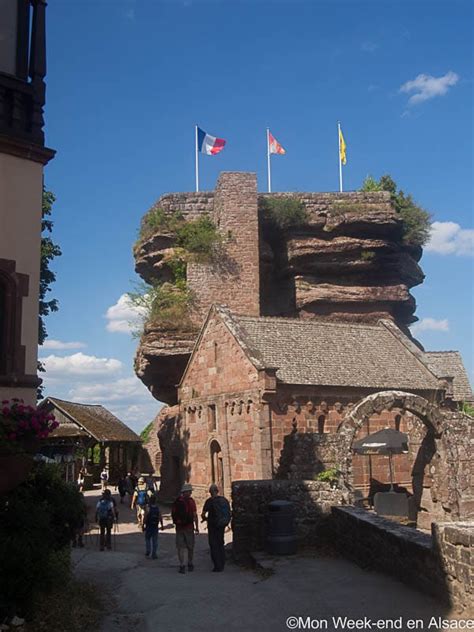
398, 419
321, 422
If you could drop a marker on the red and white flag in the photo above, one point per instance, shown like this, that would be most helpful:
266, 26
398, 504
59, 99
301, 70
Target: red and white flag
274, 146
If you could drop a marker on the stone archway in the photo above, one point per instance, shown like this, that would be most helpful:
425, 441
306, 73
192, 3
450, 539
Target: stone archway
427, 413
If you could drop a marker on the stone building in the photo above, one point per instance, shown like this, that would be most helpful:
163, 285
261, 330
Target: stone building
23, 155
315, 324
265, 397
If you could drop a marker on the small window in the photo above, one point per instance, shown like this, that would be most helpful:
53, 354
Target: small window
398, 419
321, 422
212, 417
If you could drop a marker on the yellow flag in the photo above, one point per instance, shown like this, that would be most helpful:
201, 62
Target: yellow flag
342, 147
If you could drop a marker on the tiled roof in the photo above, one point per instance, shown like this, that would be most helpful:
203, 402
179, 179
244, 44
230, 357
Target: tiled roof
326, 353
67, 430
449, 363
96, 420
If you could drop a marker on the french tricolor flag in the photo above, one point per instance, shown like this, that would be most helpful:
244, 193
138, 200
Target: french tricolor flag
208, 144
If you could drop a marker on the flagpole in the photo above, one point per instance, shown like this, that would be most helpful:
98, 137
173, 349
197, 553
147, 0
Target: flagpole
269, 162
197, 158
340, 162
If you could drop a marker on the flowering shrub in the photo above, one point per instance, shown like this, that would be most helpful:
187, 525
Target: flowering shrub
20, 423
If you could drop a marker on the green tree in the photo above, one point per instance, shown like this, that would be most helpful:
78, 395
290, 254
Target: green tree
416, 221
49, 251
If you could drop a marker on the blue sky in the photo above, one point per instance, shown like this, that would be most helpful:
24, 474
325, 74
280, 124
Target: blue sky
128, 79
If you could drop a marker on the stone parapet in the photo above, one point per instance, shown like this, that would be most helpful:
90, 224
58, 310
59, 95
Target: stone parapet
454, 545
440, 565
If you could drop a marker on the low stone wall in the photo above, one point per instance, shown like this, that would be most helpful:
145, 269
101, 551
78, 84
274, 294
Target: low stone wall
440, 565
312, 500
454, 545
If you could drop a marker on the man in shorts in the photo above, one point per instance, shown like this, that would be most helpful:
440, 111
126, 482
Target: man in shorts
185, 519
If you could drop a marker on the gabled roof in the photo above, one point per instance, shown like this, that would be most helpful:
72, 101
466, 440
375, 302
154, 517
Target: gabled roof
450, 364
94, 420
325, 353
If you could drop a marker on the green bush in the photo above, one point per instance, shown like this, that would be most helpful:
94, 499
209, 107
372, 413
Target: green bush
466, 408
199, 238
145, 433
163, 304
37, 522
416, 221
158, 220
285, 212
330, 475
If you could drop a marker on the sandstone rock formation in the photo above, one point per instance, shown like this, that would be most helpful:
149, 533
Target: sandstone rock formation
347, 262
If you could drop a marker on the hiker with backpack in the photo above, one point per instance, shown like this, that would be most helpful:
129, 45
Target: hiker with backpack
151, 521
106, 515
140, 500
185, 519
216, 512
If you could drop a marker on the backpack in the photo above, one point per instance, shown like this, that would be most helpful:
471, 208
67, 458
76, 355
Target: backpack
153, 517
103, 511
142, 497
221, 512
182, 516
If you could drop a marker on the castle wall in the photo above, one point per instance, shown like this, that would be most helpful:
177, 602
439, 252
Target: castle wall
234, 279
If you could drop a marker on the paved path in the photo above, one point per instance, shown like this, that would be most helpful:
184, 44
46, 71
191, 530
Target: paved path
151, 595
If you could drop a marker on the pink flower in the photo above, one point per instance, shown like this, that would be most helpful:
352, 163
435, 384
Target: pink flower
12, 436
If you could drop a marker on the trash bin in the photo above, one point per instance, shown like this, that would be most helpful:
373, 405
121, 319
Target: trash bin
281, 531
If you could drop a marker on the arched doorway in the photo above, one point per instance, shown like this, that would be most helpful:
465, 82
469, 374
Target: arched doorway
428, 415
217, 464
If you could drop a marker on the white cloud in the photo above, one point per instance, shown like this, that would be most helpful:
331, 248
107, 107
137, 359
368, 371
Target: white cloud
80, 364
427, 87
58, 344
430, 324
119, 390
448, 238
123, 317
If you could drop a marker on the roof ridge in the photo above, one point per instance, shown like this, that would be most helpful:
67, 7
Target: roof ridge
446, 351
301, 321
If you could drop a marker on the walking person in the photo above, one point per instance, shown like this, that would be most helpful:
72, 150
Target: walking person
140, 500
122, 487
104, 478
81, 477
216, 512
152, 520
185, 519
105, 515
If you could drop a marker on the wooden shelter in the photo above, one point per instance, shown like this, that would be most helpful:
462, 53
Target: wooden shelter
89, 436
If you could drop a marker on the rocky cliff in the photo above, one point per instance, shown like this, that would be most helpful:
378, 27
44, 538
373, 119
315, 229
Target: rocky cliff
346, 261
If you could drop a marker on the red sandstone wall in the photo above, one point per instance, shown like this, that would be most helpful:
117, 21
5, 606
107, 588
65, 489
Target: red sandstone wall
221, 375
234, 280
302, 414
